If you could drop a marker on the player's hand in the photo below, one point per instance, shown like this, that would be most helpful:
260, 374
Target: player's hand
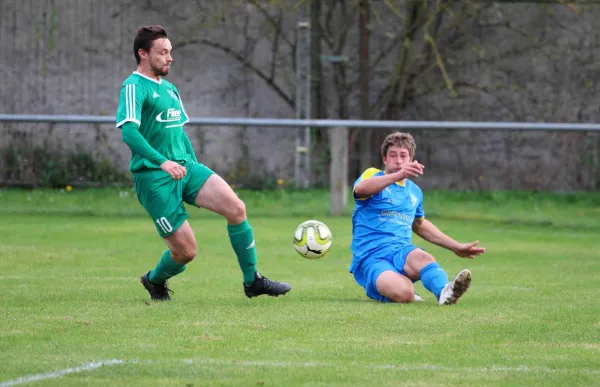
176, 171
413, 169
469, 250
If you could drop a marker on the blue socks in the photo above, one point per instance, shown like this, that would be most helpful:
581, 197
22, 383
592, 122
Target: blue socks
434, 278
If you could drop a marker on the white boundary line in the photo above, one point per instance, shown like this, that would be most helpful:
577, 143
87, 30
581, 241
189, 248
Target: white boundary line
57, 374
243, 363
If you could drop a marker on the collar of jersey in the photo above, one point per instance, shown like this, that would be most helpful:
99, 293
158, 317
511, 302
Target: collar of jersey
148, 78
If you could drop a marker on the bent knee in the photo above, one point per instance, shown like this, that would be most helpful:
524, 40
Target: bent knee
416, 261
401, 295
395, 287
425, 258
236, 213
185, 254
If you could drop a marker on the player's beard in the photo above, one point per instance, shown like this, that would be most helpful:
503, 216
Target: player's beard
160, 71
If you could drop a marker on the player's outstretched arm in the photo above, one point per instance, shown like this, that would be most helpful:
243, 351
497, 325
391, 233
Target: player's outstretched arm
376, 184
373, 185
428, 231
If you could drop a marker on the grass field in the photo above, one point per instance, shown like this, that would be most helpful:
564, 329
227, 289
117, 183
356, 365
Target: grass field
75, 314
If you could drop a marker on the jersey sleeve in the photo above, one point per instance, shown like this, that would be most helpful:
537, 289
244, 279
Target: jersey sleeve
419, 213
138, 144
187, 116
365, 175
131, 101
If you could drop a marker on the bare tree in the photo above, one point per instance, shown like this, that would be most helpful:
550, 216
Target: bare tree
387, 55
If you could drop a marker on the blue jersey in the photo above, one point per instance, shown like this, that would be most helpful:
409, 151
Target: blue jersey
382, 223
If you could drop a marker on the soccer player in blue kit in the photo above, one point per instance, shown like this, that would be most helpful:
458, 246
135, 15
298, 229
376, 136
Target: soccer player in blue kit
389, 208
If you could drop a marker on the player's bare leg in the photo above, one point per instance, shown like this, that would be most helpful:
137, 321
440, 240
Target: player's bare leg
182, 244
395, 287
422, 265
182, 250
217, 196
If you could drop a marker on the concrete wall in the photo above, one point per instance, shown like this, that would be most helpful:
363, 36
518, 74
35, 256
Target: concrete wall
518, 62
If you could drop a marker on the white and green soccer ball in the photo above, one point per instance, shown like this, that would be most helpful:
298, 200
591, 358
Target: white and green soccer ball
312, 239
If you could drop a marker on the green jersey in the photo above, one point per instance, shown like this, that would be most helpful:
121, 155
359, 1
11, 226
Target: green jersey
156, 108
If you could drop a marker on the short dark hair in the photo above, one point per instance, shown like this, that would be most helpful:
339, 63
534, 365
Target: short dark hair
144, 36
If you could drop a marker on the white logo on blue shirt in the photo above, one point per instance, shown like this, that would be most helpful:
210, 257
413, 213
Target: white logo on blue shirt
413, 200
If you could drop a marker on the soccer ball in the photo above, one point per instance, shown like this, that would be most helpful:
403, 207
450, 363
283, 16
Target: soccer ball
312, 239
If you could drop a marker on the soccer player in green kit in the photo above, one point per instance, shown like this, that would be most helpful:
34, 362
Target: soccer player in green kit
166, 172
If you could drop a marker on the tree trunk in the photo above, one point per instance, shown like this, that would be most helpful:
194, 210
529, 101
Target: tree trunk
317, 94
338, 170
365, 143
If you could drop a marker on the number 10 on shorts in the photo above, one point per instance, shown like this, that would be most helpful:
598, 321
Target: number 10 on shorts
164, 224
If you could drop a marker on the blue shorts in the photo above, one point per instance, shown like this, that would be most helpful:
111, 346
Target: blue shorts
368, 270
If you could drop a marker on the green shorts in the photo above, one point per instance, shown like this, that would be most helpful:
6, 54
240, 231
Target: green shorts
163, 197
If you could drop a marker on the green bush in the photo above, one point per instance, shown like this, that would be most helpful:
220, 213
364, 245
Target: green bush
42, 167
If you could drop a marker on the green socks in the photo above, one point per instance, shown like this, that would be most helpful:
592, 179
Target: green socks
165, 269
242, 241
